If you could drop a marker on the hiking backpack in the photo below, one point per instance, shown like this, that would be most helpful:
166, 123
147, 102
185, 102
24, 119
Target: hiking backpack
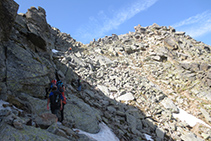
55, 99
59, 86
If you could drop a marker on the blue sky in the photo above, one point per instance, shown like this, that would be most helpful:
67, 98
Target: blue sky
85, 20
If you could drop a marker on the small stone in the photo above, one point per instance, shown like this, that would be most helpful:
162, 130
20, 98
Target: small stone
18, 124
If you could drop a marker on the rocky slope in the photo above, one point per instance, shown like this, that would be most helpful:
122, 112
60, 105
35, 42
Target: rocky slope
134, 83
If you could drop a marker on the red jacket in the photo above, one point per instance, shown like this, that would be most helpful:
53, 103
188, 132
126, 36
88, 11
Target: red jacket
62, 90
64, 98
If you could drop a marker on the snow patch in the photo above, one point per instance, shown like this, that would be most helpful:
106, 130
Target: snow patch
54, 51
105, 134
189, 119
148, 137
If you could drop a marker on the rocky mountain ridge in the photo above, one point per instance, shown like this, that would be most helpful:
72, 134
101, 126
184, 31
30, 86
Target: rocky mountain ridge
134, 83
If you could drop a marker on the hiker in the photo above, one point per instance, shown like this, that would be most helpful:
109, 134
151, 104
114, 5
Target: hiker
63, 102
61, 89
55, 100
79, 83
49, 89
70, 50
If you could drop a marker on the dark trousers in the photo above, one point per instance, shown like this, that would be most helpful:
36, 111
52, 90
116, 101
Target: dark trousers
62, 112
55, 111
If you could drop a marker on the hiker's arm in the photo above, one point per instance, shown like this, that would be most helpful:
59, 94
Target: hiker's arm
48, 103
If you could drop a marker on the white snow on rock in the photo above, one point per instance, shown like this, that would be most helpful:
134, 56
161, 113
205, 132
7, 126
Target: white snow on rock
54, 51
148, 137
189, 119
105, 134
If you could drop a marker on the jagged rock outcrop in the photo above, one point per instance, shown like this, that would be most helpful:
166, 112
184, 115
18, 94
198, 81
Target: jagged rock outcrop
134, 83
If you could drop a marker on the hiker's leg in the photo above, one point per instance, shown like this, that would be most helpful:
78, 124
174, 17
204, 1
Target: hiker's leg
57, 113
46, 93
52, 110
62, 112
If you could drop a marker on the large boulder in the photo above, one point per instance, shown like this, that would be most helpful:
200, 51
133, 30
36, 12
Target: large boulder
82, 115
104, 61
126, 97
32, 104
171, 43
45, 120
169, 104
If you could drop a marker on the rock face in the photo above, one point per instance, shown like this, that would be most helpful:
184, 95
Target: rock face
8, 11
132, 82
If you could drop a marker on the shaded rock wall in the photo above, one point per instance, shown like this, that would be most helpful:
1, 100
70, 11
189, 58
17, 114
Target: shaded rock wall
7, 17
26, 58
8, 12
